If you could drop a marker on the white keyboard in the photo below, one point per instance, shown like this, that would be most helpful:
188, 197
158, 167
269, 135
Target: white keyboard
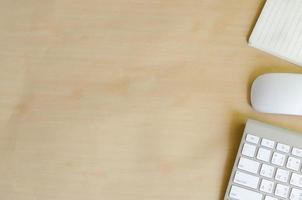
268, 164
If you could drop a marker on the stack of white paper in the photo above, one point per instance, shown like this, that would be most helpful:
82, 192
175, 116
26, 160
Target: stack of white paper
278, 30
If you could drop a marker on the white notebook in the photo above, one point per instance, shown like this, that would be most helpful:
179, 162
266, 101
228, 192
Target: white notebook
278, 30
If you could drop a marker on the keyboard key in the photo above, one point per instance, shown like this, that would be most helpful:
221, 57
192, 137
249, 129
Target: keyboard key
248, 165
264, 154
281, 190
296, 180
248, 150
296, 194
267, 143
244, 194
267, 171
293, 163
278, 159
283, 147
270, 198
266, 186
246, 179
297, 152
282, 175
252, 138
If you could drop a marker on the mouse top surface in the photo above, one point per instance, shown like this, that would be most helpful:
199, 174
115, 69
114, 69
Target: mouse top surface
279, 93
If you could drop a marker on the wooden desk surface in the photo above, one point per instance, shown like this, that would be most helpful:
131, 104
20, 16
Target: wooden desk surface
126, 100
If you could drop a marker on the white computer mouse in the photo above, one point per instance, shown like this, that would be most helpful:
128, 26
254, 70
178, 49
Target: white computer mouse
278, 93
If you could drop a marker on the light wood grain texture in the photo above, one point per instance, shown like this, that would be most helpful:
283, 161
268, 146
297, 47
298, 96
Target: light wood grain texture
126, 100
